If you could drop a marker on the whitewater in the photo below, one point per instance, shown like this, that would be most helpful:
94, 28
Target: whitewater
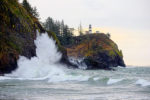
44, 78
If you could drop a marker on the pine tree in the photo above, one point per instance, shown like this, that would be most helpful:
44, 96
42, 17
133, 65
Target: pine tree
35, 13
27, 6
49, 24
31, 10
61, 30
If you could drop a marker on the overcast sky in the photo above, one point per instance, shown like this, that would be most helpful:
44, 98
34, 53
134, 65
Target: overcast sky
128, 21
120, 13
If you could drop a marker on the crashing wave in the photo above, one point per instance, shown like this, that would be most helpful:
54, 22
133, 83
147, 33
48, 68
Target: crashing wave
142, 82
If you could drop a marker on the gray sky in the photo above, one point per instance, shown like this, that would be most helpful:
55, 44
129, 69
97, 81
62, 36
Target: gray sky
119, 13
129, 19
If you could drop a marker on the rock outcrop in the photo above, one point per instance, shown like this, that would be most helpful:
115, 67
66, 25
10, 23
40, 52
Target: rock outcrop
98, 51
17, 34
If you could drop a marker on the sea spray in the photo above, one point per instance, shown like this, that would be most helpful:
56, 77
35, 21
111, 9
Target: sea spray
79, 62
44, 64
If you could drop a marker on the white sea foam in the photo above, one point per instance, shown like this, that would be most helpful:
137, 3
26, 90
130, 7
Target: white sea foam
112, 81
96, 78
78, 62
142, 82
61, 78
4, 78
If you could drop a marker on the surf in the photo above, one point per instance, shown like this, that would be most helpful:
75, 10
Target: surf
44, 64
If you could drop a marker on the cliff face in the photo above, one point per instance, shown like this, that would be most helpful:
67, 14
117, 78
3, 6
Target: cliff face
17, 34
98, 51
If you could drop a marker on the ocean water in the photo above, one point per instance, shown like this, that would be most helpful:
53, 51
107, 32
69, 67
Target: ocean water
44, 78
131, 83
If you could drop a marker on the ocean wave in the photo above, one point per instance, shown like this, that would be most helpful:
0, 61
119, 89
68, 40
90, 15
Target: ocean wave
142, 82
112, 81
63, 78
4, 78
96, 78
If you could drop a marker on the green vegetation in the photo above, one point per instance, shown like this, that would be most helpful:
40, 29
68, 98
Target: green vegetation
17, 33
31, 10
62, 31
18, 19
12, 12
98, 51
93, 44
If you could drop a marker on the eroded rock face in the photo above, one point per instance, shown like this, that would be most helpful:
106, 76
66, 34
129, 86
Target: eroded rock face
98, 51
17, 34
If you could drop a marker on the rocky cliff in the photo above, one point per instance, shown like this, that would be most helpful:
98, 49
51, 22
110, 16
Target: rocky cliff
17, 34
98, 51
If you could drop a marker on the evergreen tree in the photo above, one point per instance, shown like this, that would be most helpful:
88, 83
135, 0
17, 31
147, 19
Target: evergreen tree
49, 24
35, 13
61, 30
27, 6
31, 10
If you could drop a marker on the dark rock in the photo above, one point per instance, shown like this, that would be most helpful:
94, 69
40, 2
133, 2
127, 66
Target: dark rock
66, 61
93, 64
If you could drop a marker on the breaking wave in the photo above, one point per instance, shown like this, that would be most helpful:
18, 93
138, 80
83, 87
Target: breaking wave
142, 82
46, 66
